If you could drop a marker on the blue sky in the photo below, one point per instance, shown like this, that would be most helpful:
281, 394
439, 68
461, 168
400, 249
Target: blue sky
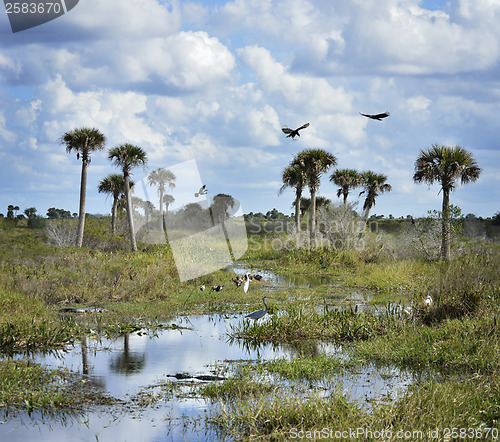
215, 81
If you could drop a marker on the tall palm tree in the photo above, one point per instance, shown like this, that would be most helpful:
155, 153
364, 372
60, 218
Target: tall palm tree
347, 179
314, 162
84, 141
293, 176
374, 184
113, 184
161, 178
446, 165
127, 156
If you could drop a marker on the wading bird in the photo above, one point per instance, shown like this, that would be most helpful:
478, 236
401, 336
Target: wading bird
202, 191
256, 315
247, 282
377, 116
293, 133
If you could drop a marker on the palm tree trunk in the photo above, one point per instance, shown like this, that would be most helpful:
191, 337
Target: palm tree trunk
312, 239
126, 178
161, 210
81, 211
113, 214
297, 212
445, 246
345, 198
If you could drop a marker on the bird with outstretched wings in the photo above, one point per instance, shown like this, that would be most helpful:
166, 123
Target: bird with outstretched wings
202, 191
293, 133
377, 116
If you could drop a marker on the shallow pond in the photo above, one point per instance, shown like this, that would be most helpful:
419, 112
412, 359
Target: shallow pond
131, 366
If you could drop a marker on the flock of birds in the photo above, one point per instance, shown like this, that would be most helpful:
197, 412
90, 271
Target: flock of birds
245, 281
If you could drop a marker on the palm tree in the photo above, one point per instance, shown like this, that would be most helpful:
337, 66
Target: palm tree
113, 184
84, 141
347, 179
293, 176
446, 165
374, 184
161, 177
128, 156
167, 200
314, 162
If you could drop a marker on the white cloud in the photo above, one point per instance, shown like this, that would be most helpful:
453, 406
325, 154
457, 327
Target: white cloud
307, 92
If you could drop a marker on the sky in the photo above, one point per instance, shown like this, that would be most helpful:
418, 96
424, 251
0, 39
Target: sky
215, 81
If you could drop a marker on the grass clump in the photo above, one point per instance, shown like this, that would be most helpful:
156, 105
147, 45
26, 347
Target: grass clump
27, 324
300, 322
29, 386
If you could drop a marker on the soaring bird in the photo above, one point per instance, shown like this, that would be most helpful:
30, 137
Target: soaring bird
202, 191
377, 116
293, 133
256, 315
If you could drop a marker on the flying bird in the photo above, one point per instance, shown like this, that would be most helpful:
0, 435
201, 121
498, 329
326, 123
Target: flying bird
293, 133
202, 191
377, 116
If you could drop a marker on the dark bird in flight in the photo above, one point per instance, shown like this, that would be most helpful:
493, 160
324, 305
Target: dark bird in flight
377, 116
202, 191
293, 133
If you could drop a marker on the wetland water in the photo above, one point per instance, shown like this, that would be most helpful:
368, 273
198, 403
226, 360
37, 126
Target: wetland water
136, 366
132, 366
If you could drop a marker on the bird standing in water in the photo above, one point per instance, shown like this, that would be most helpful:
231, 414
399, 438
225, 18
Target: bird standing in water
256, 315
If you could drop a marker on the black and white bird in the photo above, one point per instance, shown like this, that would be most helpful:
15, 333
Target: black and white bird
202, 287
202, 191
217, 288
293, 133
428, 300
256, 315
377, 116
237, 281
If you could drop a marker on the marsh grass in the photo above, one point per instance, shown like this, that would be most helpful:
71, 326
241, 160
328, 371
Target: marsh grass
297, 321
25, 385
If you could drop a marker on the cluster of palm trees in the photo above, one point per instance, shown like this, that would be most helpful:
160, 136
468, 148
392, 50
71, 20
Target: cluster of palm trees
306, 169
442, 164
85, 141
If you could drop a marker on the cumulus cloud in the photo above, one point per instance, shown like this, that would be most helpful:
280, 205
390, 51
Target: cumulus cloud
305, 91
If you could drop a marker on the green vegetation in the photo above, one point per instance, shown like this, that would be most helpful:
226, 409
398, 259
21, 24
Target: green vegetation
457, 336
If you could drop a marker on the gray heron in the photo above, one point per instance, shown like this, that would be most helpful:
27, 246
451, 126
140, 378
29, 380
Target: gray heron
256, 315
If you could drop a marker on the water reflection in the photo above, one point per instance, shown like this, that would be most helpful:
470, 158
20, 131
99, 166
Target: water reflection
125, 366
